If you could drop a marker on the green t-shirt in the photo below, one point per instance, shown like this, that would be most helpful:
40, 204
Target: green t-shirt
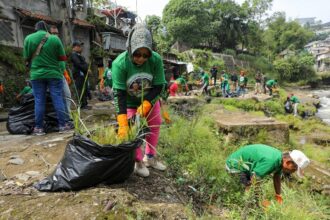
182, 81
271, 83
107, 76
26, 90
137, 80
294, 99
46, 65
205, 79
256, 158
225, 77
242, 80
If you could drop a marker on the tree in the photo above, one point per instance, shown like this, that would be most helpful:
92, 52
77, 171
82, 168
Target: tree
281, 35
186, 21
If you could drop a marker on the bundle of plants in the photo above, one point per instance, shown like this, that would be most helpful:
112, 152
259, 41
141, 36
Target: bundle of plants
98, 157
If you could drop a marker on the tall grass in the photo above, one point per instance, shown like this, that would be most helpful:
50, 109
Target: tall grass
197, 153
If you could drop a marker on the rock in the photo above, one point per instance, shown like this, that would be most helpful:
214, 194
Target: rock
22, 176
168, 189
32, 173
16, 161
14, 156
2, 176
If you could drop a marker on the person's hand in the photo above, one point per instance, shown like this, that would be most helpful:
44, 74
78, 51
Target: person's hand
166, 117
144, 108
123, 126
279, 198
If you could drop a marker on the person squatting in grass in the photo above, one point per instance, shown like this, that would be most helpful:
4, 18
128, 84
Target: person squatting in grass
138, 83
45, 72
256, 161
295, 102
271, 85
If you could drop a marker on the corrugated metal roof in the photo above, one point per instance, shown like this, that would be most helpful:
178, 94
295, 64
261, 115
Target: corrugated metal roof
36, 16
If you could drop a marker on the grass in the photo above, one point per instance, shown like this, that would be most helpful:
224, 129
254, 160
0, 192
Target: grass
197, 156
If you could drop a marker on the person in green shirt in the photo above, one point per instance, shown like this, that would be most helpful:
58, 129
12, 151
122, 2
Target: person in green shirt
205, 82
26, 90
295, 101
138, 83
259, 160
242, 82
271, 84
107, 75
224, 83
182, 83
45, 72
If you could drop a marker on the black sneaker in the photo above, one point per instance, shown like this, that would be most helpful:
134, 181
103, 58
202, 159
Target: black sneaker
65, 129
38, 131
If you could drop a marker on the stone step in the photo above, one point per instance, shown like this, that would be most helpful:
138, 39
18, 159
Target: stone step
245, 125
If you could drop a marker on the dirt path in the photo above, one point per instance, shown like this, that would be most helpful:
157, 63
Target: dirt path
138, 197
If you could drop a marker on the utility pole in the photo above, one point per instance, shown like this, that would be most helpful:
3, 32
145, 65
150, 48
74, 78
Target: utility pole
136, 8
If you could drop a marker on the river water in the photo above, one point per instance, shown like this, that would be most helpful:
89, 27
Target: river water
324, 111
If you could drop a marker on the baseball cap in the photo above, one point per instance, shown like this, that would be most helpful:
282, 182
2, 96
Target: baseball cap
301, 160
77, 43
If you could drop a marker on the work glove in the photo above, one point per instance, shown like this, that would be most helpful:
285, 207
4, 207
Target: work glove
166, 117
144, 108
123, 126
279, 198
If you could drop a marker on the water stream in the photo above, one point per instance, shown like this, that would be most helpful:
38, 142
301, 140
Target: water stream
324, 111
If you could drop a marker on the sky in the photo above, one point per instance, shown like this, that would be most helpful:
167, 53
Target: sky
293, 8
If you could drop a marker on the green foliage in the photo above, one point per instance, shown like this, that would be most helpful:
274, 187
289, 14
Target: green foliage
197, 156
13, 58
295, 68
270, 107
281, 35
229, 52
202, 59
186, 20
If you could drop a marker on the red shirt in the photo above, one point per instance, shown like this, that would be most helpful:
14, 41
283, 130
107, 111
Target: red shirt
173, 89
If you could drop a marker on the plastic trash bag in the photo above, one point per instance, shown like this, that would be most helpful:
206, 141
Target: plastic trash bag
21, 117
86, 164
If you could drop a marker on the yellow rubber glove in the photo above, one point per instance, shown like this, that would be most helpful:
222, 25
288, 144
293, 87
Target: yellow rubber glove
144, 108
123, 126
166, 117
279, 198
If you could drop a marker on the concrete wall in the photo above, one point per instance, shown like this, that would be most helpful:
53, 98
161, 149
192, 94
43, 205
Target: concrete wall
83, 35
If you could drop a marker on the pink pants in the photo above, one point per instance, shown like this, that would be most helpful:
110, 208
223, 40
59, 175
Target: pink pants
154, 121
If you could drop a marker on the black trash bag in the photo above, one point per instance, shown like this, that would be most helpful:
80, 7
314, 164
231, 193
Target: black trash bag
86, 164
21, 118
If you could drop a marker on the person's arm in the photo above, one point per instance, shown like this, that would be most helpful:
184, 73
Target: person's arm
277, 187
277, 183
60, 50
120, 97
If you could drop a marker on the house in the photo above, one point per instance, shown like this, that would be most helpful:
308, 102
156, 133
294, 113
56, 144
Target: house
17, 20
323, 61
320, 50
120, 18
306, 21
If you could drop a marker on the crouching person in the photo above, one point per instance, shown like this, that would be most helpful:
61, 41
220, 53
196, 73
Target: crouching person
138, 83
256, 161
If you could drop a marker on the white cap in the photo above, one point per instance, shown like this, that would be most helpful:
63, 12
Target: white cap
301, 160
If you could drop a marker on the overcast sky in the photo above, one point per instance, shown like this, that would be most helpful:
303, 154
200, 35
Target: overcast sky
293, 8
